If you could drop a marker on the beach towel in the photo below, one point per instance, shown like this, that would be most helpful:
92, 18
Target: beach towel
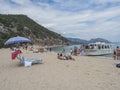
14, 54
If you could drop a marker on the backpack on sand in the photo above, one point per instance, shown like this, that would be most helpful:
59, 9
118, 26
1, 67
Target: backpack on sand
118, 65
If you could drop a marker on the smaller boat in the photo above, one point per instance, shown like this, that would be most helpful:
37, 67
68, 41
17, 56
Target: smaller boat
98, 48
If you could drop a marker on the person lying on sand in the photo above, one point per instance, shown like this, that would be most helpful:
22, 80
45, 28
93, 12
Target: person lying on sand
64, 57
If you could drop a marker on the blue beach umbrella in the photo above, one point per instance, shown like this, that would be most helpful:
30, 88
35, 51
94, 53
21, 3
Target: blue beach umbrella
17, 39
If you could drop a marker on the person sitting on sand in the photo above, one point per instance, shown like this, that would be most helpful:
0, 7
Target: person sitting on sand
68, 57
60, 56
41, 49
64, 57
31, 48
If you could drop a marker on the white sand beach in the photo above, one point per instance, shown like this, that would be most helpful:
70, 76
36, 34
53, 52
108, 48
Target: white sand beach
85, 73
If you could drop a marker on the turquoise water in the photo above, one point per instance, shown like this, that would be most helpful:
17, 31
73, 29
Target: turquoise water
67, 49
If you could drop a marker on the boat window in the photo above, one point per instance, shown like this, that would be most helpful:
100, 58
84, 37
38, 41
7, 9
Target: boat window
92, 47
99, 47
102, 46
105, 46
110, 46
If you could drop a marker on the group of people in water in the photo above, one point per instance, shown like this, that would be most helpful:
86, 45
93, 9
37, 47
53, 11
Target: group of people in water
78, 51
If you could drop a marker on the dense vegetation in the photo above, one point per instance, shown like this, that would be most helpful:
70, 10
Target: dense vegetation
21, 25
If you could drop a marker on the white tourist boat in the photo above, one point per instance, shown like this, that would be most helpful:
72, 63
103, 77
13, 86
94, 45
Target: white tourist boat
98, 48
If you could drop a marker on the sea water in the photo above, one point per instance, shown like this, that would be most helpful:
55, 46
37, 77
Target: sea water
59, 49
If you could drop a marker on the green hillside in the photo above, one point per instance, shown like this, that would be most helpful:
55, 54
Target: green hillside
21, 25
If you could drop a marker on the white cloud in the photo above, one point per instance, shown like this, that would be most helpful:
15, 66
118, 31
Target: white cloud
104, 1
21, 2
85, 24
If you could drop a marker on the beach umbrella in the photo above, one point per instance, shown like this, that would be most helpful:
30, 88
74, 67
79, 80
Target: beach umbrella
18, 39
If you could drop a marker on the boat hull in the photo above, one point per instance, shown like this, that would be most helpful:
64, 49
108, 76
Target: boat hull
90, 52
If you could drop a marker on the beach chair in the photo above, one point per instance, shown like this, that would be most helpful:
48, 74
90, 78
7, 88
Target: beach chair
28, 62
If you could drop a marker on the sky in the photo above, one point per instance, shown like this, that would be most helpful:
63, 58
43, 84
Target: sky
84, 19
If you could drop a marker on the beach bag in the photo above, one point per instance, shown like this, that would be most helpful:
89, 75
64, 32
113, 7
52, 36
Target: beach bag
118, 65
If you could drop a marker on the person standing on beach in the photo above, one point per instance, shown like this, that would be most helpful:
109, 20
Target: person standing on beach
81, 50
50, 49
63, 51
26, 46
114, 54
118, 52
71, 51
75, 51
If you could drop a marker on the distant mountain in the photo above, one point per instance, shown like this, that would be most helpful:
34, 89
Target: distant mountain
21, 25
81, 41
99, 40
77, 41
